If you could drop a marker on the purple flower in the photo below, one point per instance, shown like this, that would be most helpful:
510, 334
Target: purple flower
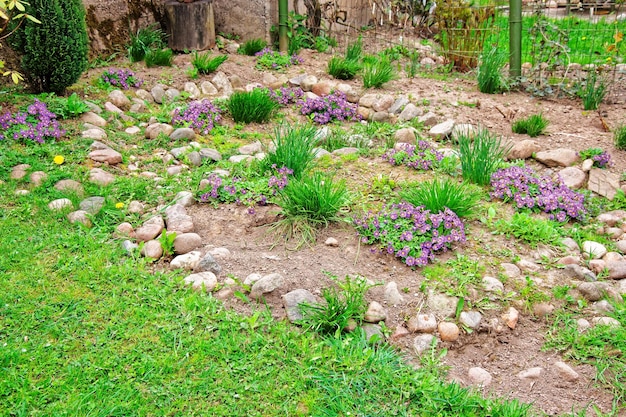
335, 106
122, 78
198, 115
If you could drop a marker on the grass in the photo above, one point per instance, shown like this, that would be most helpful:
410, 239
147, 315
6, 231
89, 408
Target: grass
293, 148
533, 125
143, 41
530, 229
342, 68
378, 73
206, 63
354, 50
455, 277
480, 155
435, 195
252, 46
619, 137
159, 58
592, 91
254, 106
491, 80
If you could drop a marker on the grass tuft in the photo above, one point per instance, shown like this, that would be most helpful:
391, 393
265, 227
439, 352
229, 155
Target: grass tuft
377, 73
293, 148
254, 106
206, 63
531, 230
593, 91
480, 154
342, 68
619, 137
437, 194
490, 77
143, 41
159, 58
533, 125
252, 46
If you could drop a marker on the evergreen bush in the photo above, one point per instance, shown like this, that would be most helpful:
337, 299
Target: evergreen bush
54, 52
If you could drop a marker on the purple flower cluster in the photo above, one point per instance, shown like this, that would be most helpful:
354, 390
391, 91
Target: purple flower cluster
233, 190
602, 160
529, 190
420, 157
36, 124
332, 107
287, 95
411, 233
198, 115
121, 77
270, 59
278, 183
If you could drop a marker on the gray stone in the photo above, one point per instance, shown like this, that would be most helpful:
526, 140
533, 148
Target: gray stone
251, 148
531, 373
179, 152
101, 177
442, 305
375, 313
398, 105
392, 295
125, 229
423, 342
95, 145
194, 158
593, 250
185, 199
558, 157
470, 319
523, 149
79, 216
479, 376
69, 185
621, 286
579, 272
410, 112
208, 263
592, 291
183, 133
442, 130
119, 99
368, 100
492, 284
383, 103
566, 372
266, 285
129, 247
380, 116
292, 301
252, 278
573, 177
405, 135
510, 270
150, 229
152, 249
308, 82
617, 269
422, 323
587, 165
112, 108
429, 119
373, 333
145, 95
93, 107
582, 325
158, 93
186, 242
92, 205
543, 309
208, 89
178, 220
211, 154
38, 177
155, 129
332, 242
236, 159
222, 83
345, 151
612, 218
603, 182
107, 156
571, 244
603, 306
605, 321
171, 94
133, 130
528, 266
60, 204
19, 171
93, 118
135, 207
220, 252
175, 170
202, 281
95, 134
188, 261
192, 89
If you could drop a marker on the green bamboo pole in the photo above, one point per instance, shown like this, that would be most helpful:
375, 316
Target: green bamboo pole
283, 39
515, 38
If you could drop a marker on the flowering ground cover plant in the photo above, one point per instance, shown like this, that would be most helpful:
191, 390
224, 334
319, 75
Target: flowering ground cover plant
270, 59
601, 159
198, 115
530, 191
411, 233
329, 108
423, 157
37, 123
121, 77
287, 95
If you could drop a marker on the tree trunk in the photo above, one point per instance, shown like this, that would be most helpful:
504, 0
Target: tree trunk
190, 25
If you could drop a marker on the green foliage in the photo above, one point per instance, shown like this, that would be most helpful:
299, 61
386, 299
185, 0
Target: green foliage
412, 66
377, 73
67, 108
619, 137
455, 277
592, 91
167, 242
354, 50
293, 148
145, 40
533, 125
254, 106
437, 194
530, 229
159, 58
480, 155
252, 46
342, 68
344, 306
206, 63
490, 77
54, 52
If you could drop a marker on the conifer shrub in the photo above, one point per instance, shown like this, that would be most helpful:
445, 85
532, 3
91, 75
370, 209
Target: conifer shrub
54, 52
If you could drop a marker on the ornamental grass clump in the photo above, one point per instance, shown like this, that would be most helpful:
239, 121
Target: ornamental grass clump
121, 78
159, 58
334, 106
533, 125
410, 232
377, 73
342, 68
480, 154
619, 137
198, 115
438, 194
36, 124
254, 106
490, 77
422, 157
206, 63
528, 190
293, 147
252, 46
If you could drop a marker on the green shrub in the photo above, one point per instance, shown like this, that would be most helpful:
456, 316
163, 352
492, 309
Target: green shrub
533, 125
377, 73
592, 91
293, 148
251, 106
159, 58
490, 77
342, 68
530, 229
67, 108
437, 194
619, 137
480, 155
252, 46
143, 41
206, 63
54, 52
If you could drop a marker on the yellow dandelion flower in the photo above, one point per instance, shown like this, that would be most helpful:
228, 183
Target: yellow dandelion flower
119, 205
59, 159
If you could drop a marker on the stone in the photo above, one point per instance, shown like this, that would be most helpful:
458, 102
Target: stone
194, 158
531, 373
22, 192
373, 332
621, 286
621, 245
129, 247
119, 99
79, 216
292, 301
266, 285
523, 149
135, 207
380, 116
308, 82
211, 154
569, 260
410, 112
448, 332
177, 219
528, 266
405, 135
156, 129
423, 342
345, 151
202, 281
614, 232
383, 103
152, 249
571, 244
252, 278
112, 108
92, 205
69, 185
592, 291
579, 272
464, 129
566, 372
593, 250
222, 83
332, 242
392, 295
603, 307
175, 170
101, 177
60, 204
158, 93
441, 304
603, 182
543, 309
470, 319
150, 229
208, 89
429, 119
479, 376
511, 317
322, 88
587, 165
251, 148
185, 199
208, 263
442, 130
611, 218
93, 119
183, 133
422, 323
375, 313
192, 89
605, 321
19, 171
510, 270
133, 130
220, 252
583, 325
38, 177
557, 157
573, 177
616, 269
186, 242
179, 152
125, 229
171, 94
188, 261
236, 159
107, 156
491, 284
145, 95
399, 333
95, 134
398, 105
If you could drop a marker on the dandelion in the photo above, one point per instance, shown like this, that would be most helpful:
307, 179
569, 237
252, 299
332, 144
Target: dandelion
58, 159
119, 205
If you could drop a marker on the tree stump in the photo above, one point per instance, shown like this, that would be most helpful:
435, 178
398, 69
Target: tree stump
190, 25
